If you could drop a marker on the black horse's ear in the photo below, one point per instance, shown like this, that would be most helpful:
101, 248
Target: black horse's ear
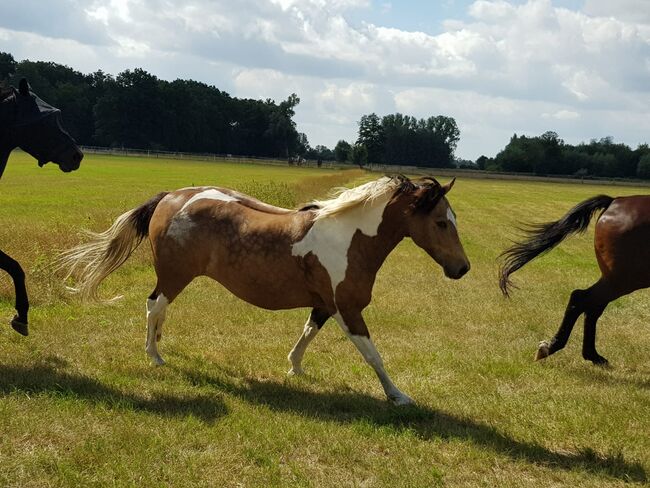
23, 87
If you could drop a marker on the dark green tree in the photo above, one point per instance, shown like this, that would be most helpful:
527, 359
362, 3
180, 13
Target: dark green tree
359, 155
342, 151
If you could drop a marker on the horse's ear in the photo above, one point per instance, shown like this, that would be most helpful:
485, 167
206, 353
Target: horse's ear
426, 198
448, 186
23, 87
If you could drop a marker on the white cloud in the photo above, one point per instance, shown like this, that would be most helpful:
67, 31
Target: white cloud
505, 65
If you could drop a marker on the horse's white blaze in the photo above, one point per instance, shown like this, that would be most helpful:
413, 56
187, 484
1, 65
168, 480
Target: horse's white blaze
329, 239
156, 310
298, 351
210, 194
450, 216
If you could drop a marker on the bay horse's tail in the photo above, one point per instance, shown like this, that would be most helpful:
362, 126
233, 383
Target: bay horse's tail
541, 238
106, 251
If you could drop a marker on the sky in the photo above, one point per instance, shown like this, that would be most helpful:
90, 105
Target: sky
578, 67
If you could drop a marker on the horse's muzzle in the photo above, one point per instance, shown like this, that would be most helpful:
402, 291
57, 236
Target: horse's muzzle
456, 274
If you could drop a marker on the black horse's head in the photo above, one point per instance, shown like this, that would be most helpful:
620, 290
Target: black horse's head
35, 127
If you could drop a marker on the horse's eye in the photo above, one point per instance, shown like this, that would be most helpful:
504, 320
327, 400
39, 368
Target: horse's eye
442, 224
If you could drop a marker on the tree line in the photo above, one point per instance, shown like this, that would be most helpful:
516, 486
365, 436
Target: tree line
403, 140
136, 109
547, 154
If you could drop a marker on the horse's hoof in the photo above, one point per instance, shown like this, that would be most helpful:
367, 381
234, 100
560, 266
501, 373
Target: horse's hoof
401, 399
296, 372
543, 351
599, 361
19, 326
157, 361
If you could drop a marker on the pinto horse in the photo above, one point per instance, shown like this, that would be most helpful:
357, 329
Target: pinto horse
324, 256
28, 122
621, 244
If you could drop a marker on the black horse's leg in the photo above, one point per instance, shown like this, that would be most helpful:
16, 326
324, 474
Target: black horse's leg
589, 342
11, 266
574, 309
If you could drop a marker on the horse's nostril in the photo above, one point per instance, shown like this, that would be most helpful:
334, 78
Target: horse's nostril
463, 270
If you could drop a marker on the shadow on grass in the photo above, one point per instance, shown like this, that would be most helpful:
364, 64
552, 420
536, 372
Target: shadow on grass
425, 423
50, 379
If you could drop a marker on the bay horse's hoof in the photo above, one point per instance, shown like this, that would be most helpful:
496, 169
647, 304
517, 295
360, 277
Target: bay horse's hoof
19, 326
598, 361
543, 351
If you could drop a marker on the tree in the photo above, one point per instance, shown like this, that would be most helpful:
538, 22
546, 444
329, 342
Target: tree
342, 151
643, 169
359, 155
7, 66
371, 135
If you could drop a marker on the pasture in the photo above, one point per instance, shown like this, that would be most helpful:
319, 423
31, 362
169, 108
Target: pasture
80, 405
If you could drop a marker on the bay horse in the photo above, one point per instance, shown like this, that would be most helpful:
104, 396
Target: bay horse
324, 255
33, 125
621, 245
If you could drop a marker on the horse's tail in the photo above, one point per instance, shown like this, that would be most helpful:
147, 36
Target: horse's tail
105, 252
541, 238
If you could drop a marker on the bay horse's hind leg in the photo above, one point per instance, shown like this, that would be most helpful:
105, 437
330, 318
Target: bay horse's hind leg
592, 302
11, 266
317, 319
574, 309
589, 341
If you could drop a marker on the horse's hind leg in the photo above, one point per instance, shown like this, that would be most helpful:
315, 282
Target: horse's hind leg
156, 312
169, 286
11, 266
589, 341
316, 320
574, 309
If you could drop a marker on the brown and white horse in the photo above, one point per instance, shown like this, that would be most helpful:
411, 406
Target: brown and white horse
324, 256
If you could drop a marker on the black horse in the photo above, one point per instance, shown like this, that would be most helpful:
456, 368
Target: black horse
33, 125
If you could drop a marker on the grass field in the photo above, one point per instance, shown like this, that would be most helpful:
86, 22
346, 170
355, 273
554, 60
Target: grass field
80, 405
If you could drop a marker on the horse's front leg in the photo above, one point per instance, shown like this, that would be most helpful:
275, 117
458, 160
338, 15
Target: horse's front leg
354, 326
11, 266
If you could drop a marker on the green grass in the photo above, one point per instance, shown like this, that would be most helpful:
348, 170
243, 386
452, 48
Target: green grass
80, 404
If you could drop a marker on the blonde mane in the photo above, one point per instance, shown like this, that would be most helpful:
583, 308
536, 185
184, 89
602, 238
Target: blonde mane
347, 198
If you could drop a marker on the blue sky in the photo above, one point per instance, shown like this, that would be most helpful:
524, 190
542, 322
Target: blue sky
580, 68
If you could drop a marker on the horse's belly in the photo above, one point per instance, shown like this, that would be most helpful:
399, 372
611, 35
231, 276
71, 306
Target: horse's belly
270, 287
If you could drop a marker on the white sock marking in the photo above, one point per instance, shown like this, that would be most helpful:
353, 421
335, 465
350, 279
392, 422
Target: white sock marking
298, 351
369, 352
156, 311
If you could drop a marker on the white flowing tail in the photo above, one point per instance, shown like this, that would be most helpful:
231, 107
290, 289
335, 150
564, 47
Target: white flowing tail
94, 260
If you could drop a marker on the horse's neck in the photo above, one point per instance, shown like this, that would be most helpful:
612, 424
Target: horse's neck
6, 111
390, 233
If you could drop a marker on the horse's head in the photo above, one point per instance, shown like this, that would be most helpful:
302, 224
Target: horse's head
431, 223
37, 129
